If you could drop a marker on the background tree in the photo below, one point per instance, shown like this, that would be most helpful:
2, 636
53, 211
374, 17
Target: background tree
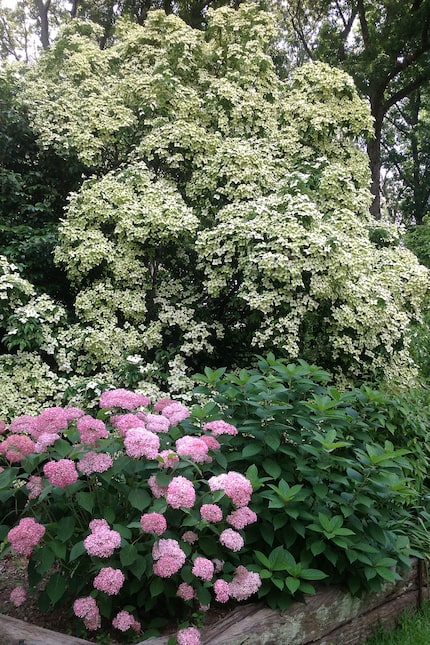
384, 45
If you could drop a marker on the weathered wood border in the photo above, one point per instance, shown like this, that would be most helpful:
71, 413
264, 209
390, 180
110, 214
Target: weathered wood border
330, 617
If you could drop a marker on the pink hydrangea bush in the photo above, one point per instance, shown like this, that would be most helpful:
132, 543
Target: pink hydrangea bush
130, 510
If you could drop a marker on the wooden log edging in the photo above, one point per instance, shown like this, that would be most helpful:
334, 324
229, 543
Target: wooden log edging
330, 617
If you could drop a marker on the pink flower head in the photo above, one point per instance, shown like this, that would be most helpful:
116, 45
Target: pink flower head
211, 512
61, 473
157, 423
95, 462
102, 542
24, 423
51, 420
180, 492
109, 580
163, 403
44, 440
220, 427
186, 591
222, 590
231, 539
2, 426
86, 608
73, 413
203, 568
141, 443
188, 636
35, 486
235, 486
153, 523
190, 537
167, 459
175, 412
125, 621
18, 596
211, 442
241, 517
244, 584
157, 490
169, 557
194, 448
97, 524
123, 399
16, 447
26, 535
126, 421
91, 430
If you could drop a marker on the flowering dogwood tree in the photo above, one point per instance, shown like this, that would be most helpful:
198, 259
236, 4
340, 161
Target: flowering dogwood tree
224, 211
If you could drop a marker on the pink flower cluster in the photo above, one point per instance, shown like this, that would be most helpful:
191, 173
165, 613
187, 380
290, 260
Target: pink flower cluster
125, 621
16, 447
23, 423
241, 517
18, 596
109, 580
102, 541
157, 423
50, 421
126, 421
87, 609
168, 556
45, 439
61, 473
211, 512
35, 486
26, 535
222, 590
153, 523
139, 442
220, 427
190, 537
188, 636
186, 591
194, 448
95, 462
244, 584
91, 430
234, 485
181, 493
175, 412
157, 490
167, 459
203, 568
123, 399
231, 539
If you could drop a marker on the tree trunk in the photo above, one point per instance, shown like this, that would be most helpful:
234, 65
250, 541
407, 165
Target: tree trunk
374, 153
42, 10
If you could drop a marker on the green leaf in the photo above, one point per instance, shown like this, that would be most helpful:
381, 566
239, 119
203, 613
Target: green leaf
77, 550
312, 574
278, 582
46, 558
272, 468
251, 450
156, 587
292, 584
128, 555
56, 587
65, 528
59, 548
263, 559
139, 499
86, 501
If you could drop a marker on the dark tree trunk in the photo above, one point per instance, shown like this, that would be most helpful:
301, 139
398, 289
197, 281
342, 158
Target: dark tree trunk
374, 151
43, 10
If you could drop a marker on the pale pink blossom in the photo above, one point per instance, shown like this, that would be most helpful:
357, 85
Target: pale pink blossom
175, 412
125, 621
235, 486
44, 440
244, 584
73, 413
167, 459
91, 430
61, 473
169, 557
222, 590
87, 609
35, 486
102, 542
241, 517
181, 493
186, 591
126, 421
211, 512
203, 568
97, 524
153, 523
18, 596
16, 447
2, 426
157, 490
109, 580
26, 535
141, 443
123, 399
157, 423
231, 539
95, 462
188, 636
220, 427
211, 442
23, 423
163, 403
194, 448
190, 537
50, 420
